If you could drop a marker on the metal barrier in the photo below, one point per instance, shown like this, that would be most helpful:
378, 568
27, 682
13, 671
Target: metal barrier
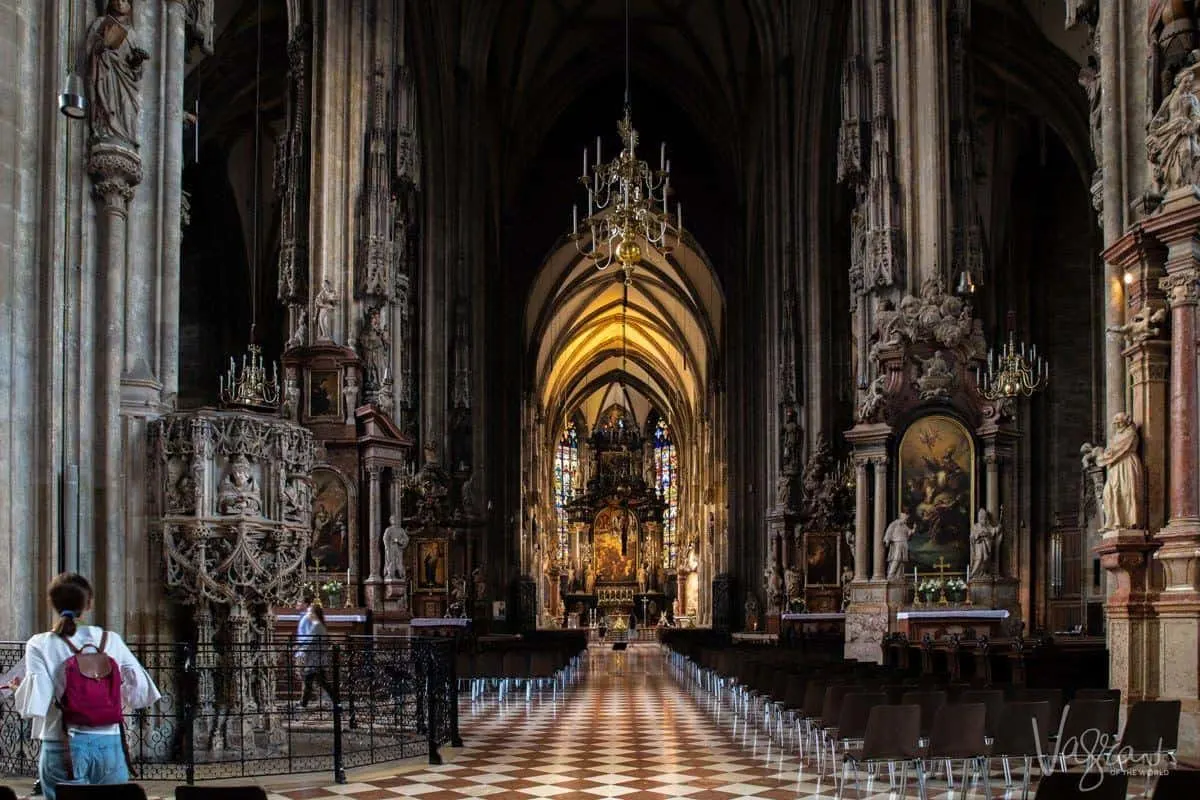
229, 712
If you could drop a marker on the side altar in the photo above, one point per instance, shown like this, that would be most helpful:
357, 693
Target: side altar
936, 475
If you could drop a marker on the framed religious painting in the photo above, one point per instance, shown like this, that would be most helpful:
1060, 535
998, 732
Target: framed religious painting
614, 545
324, 392
430, 568
329, 547
821, 559
936, 481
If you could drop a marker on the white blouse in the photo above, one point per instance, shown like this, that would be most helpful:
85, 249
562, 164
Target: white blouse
45, 680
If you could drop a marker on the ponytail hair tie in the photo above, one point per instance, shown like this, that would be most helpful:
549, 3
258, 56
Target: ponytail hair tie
68, 614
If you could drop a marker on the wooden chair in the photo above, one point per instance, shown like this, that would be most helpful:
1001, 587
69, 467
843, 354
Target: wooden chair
100, 791
220, 793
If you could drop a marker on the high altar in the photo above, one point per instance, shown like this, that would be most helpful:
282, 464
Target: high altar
612, 562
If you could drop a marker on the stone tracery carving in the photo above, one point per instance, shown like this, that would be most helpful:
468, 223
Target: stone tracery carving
115, 71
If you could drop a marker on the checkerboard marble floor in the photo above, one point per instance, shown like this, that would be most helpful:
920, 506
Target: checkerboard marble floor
626, 729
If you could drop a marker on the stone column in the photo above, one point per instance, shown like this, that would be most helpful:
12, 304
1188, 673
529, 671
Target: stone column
860, 520
374, 497
992, 466
1133, 636
1183, 294
881, 521
115, 170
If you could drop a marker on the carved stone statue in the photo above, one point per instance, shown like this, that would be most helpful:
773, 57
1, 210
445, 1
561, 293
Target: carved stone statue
641, 577
895, 539
181, 488
790, 460
887, 324
114, 71
847, 579
873, 402
774, 585
1171, 30
936, 377
291, 393
1143, 326
325, 302
350, 395
200, 24
458, 595
1172, 141
300, 335
753, 610
480, 581
793, 583
783, 492
375, 346
1125, 481
395, 540
239, 492
985, 540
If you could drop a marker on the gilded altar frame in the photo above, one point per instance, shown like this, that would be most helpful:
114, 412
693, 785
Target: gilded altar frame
935, 482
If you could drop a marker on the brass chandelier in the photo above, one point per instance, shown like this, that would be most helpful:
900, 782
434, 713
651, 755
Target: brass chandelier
1012, 374
627, 201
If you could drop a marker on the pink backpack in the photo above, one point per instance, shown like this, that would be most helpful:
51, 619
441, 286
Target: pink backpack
92, 694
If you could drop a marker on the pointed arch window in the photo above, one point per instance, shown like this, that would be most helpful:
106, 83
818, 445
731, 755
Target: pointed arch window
566, 486
666, 481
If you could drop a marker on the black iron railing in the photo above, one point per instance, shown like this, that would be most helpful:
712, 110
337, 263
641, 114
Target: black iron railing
240, 712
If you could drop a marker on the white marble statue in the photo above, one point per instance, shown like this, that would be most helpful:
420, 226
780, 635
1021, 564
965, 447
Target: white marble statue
326, 302
114, 71
985, 540
395, 540
239, 493
1125, 480
895, 539
300, 335
774, 585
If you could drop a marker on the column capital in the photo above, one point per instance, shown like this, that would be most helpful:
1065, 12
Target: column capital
879, 460
373, 470
1182, 287
114, 170
991, 458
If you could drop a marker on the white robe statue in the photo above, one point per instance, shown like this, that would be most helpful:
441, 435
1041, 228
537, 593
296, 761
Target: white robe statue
895, 539
984, 539
1125, 480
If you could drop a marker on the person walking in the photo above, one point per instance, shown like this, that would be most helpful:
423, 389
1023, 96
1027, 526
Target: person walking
79, 679
315, 654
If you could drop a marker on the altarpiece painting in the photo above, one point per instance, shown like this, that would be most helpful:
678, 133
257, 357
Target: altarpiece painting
937, 486
329, 549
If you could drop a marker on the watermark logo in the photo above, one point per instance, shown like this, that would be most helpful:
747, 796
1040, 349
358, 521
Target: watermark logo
1098, 753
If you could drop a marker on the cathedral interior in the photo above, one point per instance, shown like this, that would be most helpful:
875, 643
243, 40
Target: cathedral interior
785, 321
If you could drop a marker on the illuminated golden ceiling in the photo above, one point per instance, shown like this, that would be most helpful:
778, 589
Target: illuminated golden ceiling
672, 329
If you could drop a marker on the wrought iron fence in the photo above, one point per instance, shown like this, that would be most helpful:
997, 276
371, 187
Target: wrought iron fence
241, 712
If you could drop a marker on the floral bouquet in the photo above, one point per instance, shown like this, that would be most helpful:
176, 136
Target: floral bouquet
929, 589
957, 589
332, 587
797, 605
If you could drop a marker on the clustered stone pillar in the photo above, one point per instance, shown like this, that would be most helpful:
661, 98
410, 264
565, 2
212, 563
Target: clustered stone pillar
115, 171
375, 496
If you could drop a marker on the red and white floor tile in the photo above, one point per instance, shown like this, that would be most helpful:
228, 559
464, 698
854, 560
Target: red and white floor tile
626, 730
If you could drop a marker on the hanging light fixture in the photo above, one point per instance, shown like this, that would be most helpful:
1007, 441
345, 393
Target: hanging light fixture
249, 387
627, 202
1012, 373
71, 101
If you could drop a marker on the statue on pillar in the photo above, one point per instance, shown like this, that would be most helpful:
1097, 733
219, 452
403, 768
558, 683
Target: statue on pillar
895, 539
794, 584
985, 541
1125, 481
1173, 136
774, 586
325, 302
1171, 29
395, 540
114, 71
790, 460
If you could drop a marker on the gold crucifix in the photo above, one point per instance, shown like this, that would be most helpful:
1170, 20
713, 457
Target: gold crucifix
941, 566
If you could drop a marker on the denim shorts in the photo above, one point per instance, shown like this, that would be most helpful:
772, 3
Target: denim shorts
95, 757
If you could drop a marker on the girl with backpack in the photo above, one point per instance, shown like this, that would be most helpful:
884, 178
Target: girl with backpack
77, 679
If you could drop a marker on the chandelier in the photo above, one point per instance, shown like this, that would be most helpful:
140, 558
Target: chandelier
1012, 374
249, 387
627, 201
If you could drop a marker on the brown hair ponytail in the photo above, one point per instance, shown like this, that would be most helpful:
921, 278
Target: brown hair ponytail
70, 593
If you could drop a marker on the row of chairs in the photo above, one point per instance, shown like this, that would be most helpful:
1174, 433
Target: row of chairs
519, 666
865, 714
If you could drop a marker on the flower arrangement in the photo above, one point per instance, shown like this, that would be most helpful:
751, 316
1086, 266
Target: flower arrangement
929, 586
956, 585
797, 605
332, 587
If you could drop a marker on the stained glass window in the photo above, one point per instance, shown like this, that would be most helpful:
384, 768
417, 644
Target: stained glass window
666, 479
566, 485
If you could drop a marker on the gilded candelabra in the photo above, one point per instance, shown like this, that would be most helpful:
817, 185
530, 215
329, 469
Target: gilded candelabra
249, 387
627, 206
1012, 374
